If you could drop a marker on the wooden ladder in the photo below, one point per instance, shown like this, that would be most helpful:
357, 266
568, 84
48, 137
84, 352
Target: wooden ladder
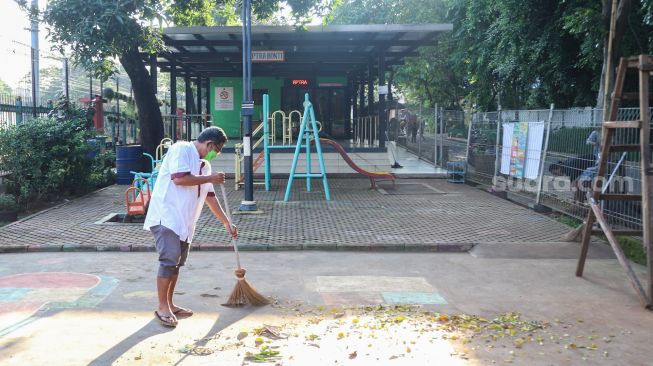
644, 65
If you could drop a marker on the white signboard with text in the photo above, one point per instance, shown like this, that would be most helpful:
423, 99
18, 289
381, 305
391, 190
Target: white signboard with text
383, 89
268, 56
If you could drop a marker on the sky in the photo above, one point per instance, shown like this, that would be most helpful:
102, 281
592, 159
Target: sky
15, 40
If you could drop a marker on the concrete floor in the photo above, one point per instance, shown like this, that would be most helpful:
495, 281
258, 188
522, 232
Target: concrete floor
412, 166
97, 309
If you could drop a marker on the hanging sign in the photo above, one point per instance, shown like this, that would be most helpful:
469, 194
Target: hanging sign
224, 98
268, 56
522, 149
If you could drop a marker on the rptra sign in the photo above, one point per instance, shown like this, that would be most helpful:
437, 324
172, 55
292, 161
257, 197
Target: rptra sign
268, 56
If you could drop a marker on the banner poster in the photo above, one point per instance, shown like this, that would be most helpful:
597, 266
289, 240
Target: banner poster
506, 147
534, 150
518, 149
224, 98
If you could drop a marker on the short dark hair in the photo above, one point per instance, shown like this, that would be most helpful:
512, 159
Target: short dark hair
213, 134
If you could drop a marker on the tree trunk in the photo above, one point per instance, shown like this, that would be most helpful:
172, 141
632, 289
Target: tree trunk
428, 92
149, 113
623, 11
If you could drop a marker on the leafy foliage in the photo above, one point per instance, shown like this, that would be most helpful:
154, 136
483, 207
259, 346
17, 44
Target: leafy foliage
192, 12
432, 77
633, 249
7, 202
4, 88
51, 157
99, 31
523, 54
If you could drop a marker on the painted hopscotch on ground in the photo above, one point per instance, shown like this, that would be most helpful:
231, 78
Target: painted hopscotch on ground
372, 290
23, 295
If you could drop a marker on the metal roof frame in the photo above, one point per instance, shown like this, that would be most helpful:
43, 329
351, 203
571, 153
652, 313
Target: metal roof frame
328, 50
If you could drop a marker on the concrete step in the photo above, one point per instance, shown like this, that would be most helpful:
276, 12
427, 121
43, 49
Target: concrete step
334, 163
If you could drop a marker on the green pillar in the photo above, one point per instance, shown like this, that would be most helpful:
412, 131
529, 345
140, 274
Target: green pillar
19, 110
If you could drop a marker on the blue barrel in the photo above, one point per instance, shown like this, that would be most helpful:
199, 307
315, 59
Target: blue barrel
128, 158
94, 148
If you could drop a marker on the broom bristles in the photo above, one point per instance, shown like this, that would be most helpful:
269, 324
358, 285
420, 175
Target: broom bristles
243, 294
575, 235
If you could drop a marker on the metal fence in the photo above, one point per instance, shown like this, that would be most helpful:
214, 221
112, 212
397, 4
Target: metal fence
365, 131
559, 163
184, 126
15, 109
433, 134
121, 130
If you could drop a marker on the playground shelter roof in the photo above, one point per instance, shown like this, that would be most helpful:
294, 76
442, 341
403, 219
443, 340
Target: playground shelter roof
336, 50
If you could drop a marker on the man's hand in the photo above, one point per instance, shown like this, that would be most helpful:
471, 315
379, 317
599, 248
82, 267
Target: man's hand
216, 178
193, 180
232, 229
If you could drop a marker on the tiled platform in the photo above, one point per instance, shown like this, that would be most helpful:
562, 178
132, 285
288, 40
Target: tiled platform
442, 217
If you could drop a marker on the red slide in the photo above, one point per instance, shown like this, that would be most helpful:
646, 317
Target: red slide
374, 176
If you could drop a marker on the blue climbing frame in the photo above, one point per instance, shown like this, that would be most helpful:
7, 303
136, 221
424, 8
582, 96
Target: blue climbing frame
307, 131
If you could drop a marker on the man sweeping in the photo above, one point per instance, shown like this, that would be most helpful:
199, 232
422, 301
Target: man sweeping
183, 185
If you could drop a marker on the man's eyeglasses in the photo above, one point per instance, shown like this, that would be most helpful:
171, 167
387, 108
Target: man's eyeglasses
218, 147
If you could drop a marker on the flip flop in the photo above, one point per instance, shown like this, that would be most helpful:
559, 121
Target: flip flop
183, 312
166, 320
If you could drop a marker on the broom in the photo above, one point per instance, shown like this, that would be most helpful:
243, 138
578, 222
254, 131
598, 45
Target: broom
575, 234
243, 293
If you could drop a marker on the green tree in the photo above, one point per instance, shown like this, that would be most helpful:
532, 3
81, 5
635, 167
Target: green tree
518, 52
590, 22
5, 88
431, 77
100, 33
523, 53
51, 84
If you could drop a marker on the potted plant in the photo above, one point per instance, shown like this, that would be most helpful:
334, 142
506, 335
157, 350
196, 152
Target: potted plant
8, 208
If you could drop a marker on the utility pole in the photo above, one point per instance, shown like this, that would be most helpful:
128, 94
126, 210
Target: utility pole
247, 108
66, 75
35, 57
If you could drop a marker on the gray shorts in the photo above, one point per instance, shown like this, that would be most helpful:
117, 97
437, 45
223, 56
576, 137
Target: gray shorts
172, 251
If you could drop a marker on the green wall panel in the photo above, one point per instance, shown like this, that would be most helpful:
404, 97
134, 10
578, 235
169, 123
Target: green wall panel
229, 120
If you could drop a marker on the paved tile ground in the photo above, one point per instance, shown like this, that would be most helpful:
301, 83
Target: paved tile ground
416, 214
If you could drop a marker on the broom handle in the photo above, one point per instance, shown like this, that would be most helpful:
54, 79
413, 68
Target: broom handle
226, 209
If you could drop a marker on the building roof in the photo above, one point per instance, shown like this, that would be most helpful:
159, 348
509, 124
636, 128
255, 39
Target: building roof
327, 50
